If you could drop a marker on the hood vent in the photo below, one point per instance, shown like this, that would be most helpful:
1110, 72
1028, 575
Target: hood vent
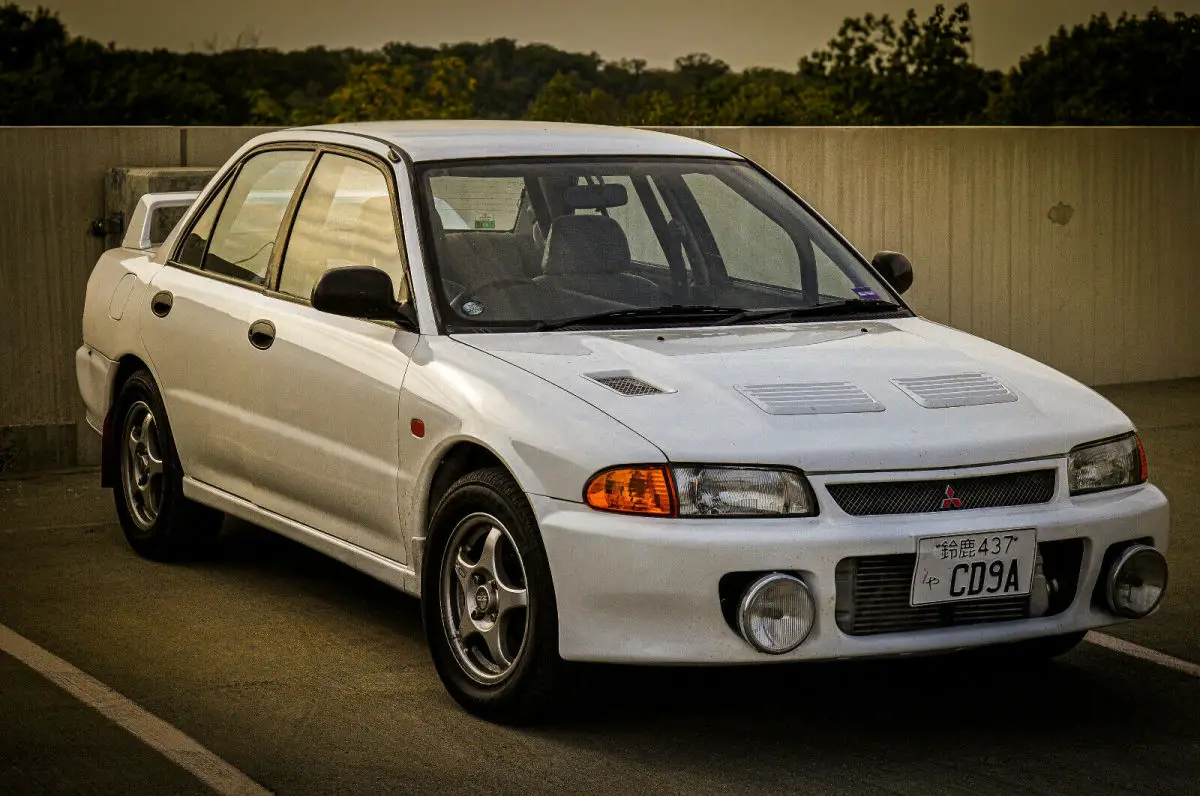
626, 385
810, 398
961, 389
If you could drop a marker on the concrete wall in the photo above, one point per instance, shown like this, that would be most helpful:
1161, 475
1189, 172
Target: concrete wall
52, 184
1078, 247
1075, 246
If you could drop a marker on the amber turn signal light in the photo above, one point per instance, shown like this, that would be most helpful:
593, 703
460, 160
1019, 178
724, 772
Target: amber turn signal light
632, 490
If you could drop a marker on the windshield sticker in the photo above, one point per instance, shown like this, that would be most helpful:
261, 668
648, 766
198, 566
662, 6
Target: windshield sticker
485, 221
472, 308
866, 294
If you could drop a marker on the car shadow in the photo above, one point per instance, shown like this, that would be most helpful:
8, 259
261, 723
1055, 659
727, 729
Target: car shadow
1090, 702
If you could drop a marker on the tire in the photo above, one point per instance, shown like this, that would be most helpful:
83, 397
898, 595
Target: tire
471, 619
158, 521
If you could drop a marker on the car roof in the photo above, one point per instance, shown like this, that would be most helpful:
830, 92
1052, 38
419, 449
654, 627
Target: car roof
455, 140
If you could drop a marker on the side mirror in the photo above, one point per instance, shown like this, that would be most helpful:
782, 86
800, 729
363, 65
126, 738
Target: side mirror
358, 291
895, 268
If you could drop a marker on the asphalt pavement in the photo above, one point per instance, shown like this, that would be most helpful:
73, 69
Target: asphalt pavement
311, 678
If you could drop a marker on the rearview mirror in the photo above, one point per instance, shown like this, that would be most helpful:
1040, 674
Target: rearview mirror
358, 291
895, 268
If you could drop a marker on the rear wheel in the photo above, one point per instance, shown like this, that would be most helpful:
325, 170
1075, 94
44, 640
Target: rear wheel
488, 601
159, 522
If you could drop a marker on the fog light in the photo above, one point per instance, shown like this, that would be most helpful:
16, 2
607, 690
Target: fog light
776, 613
1136, 582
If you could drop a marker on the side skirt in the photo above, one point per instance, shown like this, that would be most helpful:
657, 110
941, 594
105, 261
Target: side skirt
390, 572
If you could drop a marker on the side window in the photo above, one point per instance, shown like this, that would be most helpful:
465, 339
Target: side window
244, 237
345, 218
752, 246
194, 245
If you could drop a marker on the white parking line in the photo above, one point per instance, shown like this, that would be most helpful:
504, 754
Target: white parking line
148, 728
1145, 653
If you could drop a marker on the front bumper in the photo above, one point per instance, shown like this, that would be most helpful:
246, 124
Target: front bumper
645, 590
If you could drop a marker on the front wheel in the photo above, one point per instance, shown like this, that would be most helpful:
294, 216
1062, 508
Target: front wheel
488, 601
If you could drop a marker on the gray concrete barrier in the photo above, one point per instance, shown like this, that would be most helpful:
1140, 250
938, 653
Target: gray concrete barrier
1074, 246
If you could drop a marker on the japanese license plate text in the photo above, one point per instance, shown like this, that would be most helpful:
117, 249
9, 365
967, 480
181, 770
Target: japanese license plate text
974, 566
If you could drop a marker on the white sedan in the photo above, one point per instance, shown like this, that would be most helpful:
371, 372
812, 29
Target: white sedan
600, 394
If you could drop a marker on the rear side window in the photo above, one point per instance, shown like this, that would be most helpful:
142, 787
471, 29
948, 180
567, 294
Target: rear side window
344, 218
196, 243
243, 239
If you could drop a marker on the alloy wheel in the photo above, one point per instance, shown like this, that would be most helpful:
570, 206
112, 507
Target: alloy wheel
484, 598
142, 464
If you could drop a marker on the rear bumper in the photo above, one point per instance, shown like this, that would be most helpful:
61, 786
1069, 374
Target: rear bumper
643, 590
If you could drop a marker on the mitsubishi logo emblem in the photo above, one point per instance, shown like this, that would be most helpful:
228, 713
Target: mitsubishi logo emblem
951, 501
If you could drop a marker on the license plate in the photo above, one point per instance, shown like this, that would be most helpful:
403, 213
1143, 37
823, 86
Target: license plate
974, 566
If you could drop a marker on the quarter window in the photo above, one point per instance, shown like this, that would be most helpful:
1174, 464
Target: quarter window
345, 218
196, 243
248, 225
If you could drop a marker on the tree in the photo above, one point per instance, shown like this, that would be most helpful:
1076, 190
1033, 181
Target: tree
1133, 72
376, 91
449, 91
879, 72
372, 91
566, 98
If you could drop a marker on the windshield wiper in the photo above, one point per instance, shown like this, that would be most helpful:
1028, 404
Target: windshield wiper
831, 308
675, 312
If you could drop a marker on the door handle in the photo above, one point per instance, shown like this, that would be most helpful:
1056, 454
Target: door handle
261, 334
162, 302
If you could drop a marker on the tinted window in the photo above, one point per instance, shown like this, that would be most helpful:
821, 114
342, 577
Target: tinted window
196, 242
245, 233
345, 218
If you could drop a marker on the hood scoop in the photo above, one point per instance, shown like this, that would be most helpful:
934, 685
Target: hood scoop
810, 398
960, 389
626, 384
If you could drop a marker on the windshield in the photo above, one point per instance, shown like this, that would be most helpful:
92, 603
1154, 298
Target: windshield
529, 244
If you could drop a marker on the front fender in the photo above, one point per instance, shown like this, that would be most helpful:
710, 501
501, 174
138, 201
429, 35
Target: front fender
550, 440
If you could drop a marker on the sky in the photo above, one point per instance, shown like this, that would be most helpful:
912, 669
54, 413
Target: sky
743, 33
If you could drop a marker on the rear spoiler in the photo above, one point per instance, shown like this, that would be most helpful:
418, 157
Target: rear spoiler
139, 233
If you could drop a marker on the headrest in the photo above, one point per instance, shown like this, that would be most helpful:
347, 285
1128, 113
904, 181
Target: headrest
594, 197
585, 245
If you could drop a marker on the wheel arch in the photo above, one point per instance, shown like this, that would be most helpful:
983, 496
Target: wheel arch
454, 459
127, 365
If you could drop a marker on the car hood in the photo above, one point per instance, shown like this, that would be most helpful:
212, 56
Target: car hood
826, 397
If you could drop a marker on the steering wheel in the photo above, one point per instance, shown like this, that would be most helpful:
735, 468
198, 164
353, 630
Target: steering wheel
504, 281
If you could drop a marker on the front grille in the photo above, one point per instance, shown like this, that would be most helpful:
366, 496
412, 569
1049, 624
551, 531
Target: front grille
626, 385
873, 594
946, 494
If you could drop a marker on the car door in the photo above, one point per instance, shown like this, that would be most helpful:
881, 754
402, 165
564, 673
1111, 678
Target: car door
200, 306
323, 439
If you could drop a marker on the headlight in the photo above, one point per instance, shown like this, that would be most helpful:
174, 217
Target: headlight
1107, 464
702, 491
